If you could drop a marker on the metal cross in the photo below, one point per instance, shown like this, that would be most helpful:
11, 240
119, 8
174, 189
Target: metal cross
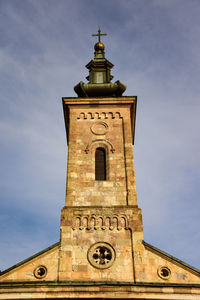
99, 34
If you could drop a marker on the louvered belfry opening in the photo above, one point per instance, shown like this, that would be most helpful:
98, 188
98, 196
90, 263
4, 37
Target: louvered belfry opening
100, 164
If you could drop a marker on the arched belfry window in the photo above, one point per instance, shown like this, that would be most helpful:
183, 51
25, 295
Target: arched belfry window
100, 164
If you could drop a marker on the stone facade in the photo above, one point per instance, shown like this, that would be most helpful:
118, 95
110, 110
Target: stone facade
99, 210
101, 253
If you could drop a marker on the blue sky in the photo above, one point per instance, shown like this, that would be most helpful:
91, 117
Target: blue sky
44, 47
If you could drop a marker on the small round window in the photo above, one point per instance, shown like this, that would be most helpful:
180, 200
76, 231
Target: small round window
101, 255
164, 272
40, 272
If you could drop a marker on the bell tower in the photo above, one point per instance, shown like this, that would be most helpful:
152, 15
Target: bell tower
101, 223
101, 253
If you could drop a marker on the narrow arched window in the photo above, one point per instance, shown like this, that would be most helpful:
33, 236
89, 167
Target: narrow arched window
100, 164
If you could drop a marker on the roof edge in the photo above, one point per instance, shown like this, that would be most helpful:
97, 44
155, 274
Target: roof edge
172, 257
98, 97
29, 258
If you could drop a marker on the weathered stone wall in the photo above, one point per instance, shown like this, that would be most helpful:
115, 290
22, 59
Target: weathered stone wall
82, 228
111, 214
109, 127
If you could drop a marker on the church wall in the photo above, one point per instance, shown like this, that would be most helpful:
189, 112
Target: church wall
82, 228
100, 291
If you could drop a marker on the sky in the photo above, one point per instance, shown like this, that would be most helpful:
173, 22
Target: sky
44, 47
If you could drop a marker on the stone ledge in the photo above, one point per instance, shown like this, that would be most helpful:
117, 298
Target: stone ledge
97, 283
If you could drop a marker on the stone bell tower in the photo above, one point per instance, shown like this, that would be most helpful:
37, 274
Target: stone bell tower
101, 253
101, 222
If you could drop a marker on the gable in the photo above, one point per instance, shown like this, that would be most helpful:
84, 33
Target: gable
41, 266
161, 267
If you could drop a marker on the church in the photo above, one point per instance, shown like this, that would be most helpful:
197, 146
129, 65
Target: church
101, 253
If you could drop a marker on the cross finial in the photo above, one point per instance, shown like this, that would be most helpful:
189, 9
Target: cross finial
99, 34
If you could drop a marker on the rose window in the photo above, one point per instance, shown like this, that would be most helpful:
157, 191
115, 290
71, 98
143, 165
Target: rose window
101, 255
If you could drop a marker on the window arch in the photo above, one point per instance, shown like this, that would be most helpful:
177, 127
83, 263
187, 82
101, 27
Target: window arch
100, 164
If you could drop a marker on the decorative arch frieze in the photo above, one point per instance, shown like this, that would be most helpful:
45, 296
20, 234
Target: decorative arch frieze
82, 116
100, 222
99, 115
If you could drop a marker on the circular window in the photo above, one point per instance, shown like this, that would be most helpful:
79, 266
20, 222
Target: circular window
164, 272
40, 272
99, 128
101, 255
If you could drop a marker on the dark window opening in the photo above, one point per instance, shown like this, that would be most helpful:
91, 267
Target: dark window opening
100, 164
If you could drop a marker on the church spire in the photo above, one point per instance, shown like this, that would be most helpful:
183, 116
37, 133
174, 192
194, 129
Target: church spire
99, 75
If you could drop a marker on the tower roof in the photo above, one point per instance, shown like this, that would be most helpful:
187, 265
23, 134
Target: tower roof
99, 75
